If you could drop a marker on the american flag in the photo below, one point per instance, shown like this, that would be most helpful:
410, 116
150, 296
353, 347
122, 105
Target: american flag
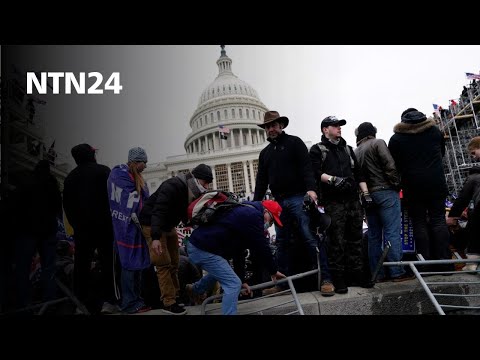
435, 107
471, 76
223, 129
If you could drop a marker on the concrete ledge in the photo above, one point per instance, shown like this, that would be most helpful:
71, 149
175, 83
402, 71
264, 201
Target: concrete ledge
389, 298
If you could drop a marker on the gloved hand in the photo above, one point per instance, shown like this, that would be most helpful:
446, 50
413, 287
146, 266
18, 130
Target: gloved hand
366, 199
341, 183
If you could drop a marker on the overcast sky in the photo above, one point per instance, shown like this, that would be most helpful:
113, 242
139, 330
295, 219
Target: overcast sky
162, 86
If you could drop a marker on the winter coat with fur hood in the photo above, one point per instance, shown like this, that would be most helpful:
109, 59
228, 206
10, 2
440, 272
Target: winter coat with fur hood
418, 150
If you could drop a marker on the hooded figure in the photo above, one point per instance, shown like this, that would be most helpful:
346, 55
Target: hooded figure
418, 147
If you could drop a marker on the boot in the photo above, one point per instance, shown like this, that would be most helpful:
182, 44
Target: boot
471, 266
339, 282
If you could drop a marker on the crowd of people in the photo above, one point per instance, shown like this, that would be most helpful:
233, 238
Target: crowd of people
132, 234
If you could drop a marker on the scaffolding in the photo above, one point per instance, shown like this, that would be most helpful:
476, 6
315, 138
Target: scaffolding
459, 124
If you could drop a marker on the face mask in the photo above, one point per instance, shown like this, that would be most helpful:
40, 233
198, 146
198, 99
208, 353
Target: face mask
199, 186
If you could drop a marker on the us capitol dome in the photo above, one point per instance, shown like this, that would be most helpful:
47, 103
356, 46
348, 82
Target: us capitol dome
224, 135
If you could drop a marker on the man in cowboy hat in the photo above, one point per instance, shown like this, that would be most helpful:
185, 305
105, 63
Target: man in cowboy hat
284, 166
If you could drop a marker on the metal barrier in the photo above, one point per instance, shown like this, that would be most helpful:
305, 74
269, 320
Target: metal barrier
265, 285
457, 300
261, 309
44, 305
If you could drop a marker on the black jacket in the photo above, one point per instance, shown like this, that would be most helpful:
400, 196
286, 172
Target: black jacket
418, 151
85, 197
37, 204
166, 207
285, 166
470, 191
337, 163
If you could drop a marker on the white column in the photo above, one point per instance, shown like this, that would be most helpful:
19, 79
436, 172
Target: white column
214, 182
206, 142
214, 141
241, 137
245, 177
229, 174
249, 138
198, 145
252, 174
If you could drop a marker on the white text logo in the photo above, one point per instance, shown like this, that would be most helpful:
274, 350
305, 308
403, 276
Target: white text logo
71, 81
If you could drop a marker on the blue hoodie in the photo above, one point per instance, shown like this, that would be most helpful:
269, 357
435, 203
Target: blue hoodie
234, 231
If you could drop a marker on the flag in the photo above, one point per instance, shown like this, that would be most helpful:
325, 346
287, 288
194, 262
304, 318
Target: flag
471, 76
223, 129
223, 132
435, 107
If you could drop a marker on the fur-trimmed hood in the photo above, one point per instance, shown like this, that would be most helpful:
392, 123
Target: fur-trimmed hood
406, 128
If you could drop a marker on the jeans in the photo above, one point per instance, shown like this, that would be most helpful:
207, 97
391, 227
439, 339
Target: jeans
219, 270
293, 214
324, 270
384, 222
131, 281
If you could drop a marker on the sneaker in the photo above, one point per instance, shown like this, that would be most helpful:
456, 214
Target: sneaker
327, 288
195, 298
403, 277
174, 309
138, 310
143, 309
108, 308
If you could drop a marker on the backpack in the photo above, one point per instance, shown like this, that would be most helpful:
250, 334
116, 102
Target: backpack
206, 209
325, 150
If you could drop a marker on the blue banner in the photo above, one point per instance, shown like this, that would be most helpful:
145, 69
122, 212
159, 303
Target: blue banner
406, 233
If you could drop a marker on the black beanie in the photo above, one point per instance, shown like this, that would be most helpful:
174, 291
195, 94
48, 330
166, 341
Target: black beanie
365, 129
83, 153
203, 172
413, 116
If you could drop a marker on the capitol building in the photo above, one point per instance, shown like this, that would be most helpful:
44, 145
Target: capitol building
224, 135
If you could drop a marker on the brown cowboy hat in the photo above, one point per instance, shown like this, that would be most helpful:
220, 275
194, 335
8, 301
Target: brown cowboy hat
271, 116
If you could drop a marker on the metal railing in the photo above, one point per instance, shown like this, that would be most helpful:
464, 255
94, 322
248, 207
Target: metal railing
464, 288
281, 302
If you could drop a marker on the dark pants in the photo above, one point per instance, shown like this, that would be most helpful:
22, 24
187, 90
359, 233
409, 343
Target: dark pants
430, 229
26, 246
345, 250
86, 242
473, 229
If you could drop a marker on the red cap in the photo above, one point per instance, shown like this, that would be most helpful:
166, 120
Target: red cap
275, 209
